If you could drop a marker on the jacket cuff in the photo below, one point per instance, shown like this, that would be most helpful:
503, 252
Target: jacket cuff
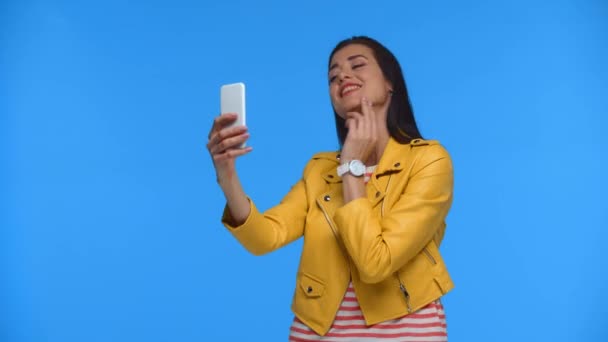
228, 220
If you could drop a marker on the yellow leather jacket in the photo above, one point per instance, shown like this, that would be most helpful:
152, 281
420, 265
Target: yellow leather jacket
387, 243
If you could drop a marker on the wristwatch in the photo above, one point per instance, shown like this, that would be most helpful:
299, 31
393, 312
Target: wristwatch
355, 167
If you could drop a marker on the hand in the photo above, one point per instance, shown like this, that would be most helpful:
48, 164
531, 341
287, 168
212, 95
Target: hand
223, 145
362, 134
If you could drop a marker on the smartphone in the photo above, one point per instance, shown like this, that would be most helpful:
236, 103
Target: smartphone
232, 100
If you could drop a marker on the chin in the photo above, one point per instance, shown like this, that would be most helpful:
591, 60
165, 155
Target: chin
351, 103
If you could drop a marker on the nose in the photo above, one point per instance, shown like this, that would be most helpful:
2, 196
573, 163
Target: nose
342, 76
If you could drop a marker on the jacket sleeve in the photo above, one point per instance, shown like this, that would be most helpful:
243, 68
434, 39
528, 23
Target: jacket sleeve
262, 233
381, 246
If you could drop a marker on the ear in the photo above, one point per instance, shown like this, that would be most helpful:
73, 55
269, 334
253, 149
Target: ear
389, 87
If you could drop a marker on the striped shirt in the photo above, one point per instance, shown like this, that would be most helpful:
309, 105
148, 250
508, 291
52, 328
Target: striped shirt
425, 325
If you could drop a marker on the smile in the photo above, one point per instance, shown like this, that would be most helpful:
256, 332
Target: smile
349, 89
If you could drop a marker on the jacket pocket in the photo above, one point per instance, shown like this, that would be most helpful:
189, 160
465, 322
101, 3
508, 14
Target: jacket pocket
429, 256
431, 252
311, 286
444, 285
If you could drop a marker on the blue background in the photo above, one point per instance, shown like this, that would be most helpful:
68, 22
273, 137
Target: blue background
110, 215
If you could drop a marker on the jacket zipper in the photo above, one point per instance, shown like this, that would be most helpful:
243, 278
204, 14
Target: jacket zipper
429, 255
406, 295
335, 231
401, 286
388, 183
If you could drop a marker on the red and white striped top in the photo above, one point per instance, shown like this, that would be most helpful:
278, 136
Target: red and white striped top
426, 324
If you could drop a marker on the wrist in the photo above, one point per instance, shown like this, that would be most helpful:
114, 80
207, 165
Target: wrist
353, 187
345, 158
353, 167
226, 178
349, 177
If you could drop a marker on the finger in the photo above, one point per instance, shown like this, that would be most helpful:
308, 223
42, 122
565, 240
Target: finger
355, 119
222, 121
233, 153
368, 115
354, 116
225, 119
225, 133
364, 129
347, 124
372, 121
229, 143
352, 126
374, 126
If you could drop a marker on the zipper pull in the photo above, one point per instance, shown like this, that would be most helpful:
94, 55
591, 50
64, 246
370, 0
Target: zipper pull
407, 297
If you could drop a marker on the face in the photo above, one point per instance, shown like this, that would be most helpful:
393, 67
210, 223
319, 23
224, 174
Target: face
353, 74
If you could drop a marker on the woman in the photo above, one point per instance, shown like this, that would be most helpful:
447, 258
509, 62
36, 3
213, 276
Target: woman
372, 215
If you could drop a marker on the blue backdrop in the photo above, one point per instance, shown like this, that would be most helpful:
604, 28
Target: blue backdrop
110, 222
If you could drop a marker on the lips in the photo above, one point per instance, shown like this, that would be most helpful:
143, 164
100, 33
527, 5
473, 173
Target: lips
348, 88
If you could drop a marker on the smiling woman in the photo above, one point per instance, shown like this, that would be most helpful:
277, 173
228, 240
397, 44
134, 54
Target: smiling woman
372, 215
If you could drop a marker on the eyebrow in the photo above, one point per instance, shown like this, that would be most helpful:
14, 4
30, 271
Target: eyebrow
335, 65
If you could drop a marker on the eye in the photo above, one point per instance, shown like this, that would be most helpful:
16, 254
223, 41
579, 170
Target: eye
332, 79
357, 66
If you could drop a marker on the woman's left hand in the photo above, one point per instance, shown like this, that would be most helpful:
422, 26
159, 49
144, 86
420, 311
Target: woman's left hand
362, 133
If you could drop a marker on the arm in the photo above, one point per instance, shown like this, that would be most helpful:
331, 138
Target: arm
223, 146
261, 233
380, 246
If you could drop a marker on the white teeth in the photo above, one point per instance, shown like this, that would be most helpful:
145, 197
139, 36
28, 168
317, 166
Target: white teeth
350, 88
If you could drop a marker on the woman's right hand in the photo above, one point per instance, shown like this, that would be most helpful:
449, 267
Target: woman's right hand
223, 145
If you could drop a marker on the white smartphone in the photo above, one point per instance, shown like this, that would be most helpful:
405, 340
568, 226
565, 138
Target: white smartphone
232, 100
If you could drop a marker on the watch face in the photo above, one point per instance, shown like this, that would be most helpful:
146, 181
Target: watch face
357, 168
